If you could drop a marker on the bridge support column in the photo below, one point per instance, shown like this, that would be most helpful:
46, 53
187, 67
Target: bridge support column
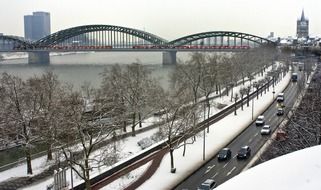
40, 58
169, 57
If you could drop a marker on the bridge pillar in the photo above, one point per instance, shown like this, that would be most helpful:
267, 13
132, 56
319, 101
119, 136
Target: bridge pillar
169, 57
40, 58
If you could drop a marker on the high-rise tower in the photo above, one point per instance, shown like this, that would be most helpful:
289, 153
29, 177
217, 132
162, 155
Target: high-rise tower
302, 27
37, 25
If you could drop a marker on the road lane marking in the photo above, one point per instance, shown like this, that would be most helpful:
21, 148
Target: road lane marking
215, 175
256, 134
250, 140
229, 173
209, 168
225, 165
234, 155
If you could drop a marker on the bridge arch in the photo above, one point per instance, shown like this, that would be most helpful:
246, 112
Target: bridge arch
101, 35
11, 42
222, 38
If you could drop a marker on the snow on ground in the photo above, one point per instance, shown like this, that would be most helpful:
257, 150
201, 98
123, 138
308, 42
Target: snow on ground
38, 165
221, 133
301, 168
130, 150
126, 180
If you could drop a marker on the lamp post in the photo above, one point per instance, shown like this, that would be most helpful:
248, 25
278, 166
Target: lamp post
71, 175
252, 108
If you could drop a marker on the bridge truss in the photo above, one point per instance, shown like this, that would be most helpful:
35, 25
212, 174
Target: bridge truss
11, 42
109, 37
221, 39
103, 36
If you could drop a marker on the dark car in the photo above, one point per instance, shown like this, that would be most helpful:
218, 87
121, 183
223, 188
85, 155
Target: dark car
279, 111
244, 152
224, 154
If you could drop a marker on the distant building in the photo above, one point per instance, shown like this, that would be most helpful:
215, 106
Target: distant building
302, 29
1, 34
271, 35
37, 25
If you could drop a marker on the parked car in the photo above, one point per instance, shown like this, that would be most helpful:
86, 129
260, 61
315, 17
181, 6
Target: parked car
260, 120
224, 154
207, 185
244, 152
266, 130
280, 111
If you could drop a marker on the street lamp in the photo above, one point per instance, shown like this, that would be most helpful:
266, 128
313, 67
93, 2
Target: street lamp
252, 109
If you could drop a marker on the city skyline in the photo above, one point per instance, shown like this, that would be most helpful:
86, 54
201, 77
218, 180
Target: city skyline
159, 16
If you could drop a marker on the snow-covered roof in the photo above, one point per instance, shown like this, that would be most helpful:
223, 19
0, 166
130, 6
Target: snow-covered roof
296, 171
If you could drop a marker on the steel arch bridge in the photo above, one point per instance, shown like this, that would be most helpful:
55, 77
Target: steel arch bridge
117, 38
100, 35
221, 38
10, 42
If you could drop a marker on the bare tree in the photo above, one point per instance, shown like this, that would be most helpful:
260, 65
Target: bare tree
86, 131
178, 121
50, 115
133, 87
23, 103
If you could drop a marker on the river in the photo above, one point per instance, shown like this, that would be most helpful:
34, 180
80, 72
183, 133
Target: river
80, 67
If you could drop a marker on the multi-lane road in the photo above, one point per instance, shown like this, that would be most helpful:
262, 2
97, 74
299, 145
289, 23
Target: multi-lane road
251, 136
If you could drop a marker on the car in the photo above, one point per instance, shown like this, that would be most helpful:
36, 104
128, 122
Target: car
266, 130
224, 154
260, 120
280, 111
280, 97
244, 152
207, 185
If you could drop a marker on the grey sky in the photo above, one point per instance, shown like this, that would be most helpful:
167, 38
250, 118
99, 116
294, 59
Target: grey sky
169, 19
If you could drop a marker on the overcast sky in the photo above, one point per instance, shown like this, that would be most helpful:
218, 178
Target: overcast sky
169, 19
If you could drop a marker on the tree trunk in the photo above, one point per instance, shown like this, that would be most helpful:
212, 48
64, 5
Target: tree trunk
124, 127
87, 175
171, 152
134, 124
184, 148
28, 159
49, 151
140, 120
248, 100
235, 107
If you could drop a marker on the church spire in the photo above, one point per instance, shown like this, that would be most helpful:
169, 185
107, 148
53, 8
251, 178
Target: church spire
302, 15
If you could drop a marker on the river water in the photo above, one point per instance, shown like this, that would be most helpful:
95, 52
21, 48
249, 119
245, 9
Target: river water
80, 67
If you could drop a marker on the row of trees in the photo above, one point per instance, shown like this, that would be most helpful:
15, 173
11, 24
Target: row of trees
77, 122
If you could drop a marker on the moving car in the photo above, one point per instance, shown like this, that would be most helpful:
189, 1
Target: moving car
280, 97
280, 111
260, 120
266, 130
244, 152
294, 77
207, 185
224, 154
